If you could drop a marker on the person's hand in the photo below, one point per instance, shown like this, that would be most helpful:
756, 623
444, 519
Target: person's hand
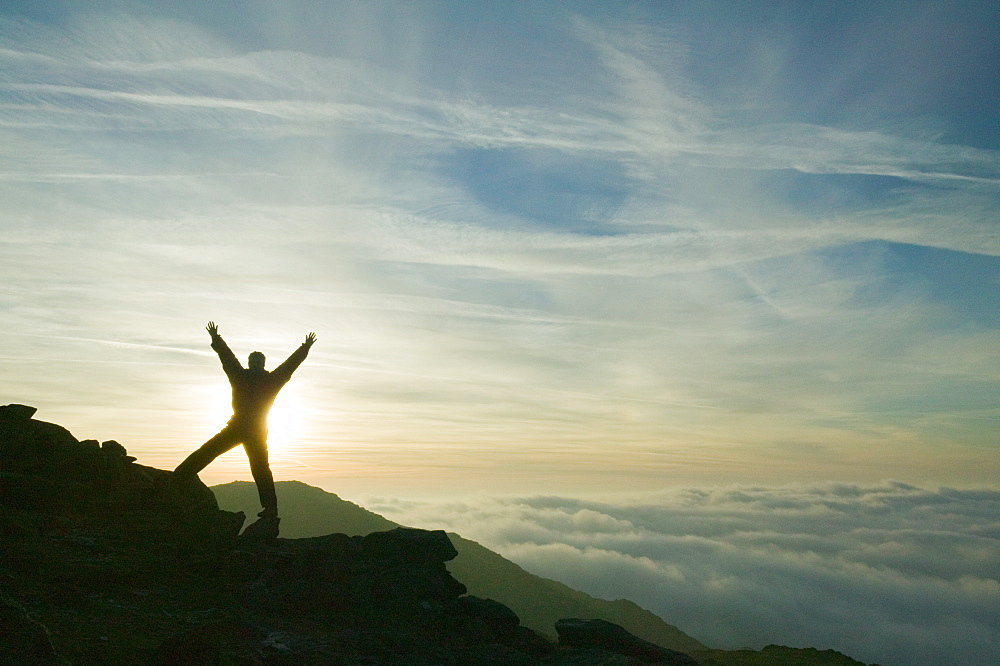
310, 339
212, 329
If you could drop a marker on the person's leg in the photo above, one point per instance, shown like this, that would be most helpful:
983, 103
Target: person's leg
226, 439
256, 448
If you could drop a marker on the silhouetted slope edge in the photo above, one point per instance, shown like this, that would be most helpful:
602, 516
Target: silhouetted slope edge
540, 602
306, 511
309, 511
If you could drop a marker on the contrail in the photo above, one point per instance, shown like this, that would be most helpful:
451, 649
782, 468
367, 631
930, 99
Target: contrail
759, 291
136, 345
86, 360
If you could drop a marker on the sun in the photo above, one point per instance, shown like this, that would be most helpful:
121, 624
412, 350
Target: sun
284, 422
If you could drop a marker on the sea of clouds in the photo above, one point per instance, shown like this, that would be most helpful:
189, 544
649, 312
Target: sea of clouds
889, 573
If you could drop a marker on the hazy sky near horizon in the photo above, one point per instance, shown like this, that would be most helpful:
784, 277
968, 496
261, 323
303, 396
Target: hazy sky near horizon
545, 246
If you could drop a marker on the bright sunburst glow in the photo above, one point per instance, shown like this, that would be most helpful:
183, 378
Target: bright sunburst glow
284, 423
218, 406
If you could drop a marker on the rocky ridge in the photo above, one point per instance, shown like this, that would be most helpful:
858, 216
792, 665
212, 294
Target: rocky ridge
308, 511
107, 561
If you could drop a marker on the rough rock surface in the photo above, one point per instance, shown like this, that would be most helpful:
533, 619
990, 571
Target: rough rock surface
25, 641
106, 561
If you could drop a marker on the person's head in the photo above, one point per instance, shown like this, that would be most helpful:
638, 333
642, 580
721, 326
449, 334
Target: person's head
256, 361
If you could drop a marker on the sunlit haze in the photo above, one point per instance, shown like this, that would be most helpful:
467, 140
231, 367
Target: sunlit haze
562, 246
575, 249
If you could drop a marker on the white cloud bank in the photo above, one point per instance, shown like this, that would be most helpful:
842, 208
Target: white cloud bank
889, 573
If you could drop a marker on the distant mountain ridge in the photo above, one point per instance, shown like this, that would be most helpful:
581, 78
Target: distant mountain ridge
308, 511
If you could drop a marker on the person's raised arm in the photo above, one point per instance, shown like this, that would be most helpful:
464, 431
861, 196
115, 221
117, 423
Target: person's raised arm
229, 363
285, 370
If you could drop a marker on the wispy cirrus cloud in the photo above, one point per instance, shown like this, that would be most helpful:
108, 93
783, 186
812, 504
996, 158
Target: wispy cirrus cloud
561, 252
584, 259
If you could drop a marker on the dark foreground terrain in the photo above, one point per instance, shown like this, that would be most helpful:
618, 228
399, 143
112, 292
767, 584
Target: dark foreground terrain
106, 561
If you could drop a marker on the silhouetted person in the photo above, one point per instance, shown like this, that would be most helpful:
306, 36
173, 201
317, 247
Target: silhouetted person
254, 390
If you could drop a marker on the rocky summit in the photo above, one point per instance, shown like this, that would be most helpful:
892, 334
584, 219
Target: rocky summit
107, 561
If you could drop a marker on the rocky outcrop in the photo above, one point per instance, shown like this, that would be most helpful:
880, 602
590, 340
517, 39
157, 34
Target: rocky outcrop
386, 598
105, 555
539, 602
107, 561
43, 465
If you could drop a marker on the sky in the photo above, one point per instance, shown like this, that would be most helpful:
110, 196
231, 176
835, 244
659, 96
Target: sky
556, 245
550, 249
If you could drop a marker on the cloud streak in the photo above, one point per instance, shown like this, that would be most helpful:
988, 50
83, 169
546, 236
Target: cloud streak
573, 241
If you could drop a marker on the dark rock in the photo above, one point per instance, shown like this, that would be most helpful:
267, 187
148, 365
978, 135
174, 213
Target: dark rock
27, 491
259, 533
187, 492
43, 464
114, 450
28, 446
92, 444
24, 640
349, 574
204, 645
387, 596
397, 551
498, 617
593, 657
43, 467
605, 635
130, 564
496, 654
490, 622
16, 412
236, 525
405, 543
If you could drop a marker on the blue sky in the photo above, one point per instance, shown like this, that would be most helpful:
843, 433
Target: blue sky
569, 246
650, 297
